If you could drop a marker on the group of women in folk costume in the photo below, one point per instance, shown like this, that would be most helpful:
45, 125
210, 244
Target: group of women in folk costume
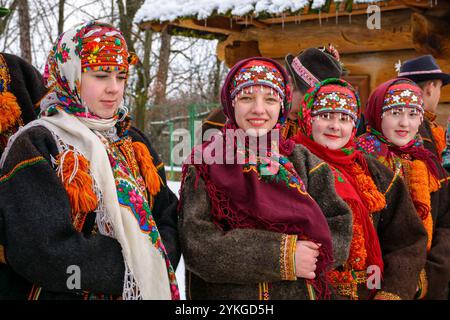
243, 233
246, 234
274, 209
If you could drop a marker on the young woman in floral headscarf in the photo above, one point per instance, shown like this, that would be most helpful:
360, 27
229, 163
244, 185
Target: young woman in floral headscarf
82, 192
250, 228
388, 237
394, 113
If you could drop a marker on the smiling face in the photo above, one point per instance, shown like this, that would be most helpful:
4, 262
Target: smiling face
332, 129
400, 125
256, 110
102, 91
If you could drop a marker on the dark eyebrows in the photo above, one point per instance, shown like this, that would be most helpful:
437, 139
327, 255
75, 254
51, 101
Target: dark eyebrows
109, 71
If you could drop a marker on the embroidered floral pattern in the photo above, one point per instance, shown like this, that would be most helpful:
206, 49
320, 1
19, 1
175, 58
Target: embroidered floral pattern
335, 102
330, 95
369, 144
273, 168
257, 75
131, 195
62, 53
402, 95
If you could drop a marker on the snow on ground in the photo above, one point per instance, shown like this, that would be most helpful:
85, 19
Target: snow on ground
175, 186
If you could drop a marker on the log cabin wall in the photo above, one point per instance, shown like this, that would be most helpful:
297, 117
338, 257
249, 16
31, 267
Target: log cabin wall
367, 53
409, 28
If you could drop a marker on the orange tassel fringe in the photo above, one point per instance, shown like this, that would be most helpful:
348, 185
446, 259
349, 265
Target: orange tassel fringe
358, 253
148, 170
80, 188
9, 111
439, 138
419, 186
373, 198
357, 260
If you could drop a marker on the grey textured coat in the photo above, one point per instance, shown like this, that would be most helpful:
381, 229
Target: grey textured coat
231, 265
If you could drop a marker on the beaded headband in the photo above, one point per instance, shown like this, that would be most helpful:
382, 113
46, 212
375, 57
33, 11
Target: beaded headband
257, 73
403, 95
334, 98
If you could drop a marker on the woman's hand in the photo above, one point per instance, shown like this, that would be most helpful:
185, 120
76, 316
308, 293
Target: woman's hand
306, 254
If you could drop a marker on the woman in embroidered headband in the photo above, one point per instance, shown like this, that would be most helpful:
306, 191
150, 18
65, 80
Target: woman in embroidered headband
248, 234
379, 202
82, 191
394, 113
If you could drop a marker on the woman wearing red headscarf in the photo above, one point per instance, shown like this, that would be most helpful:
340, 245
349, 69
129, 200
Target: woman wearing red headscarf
249, 226
394, 113
388, 237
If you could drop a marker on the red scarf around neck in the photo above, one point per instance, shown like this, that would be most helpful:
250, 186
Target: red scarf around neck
345, 163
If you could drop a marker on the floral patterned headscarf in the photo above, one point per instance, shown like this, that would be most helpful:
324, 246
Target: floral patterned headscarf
88, 46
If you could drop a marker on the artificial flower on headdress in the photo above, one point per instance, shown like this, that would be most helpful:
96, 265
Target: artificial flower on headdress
258, 73
330, 95
333, 98
412, 161
403, 95
104, 48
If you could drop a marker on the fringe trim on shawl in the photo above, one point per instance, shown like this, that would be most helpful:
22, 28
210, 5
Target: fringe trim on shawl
148, 169
85, 197
420, 185
9, 112
130, 288
105, 227
73, 169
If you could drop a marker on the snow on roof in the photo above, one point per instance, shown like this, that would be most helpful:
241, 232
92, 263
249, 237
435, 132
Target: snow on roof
169, 10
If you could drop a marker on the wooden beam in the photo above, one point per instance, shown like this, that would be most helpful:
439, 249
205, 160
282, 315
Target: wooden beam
226, 25
276, 41
216, 24
252, 21
213, 25
239, 50
158, 27
422, 4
